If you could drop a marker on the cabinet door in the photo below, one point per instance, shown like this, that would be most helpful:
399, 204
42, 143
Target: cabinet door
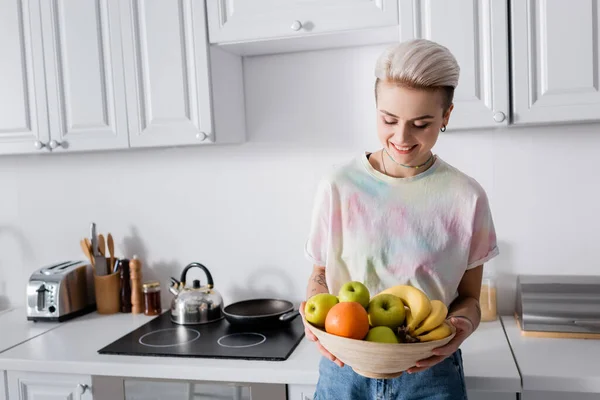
40, 386
3, 386
538, 395
167, 73
23, 113
300, 392
480, 395
556, 57
244, 20
86, 91
475, 31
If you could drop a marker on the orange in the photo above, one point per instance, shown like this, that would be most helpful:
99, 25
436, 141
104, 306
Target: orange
348, 319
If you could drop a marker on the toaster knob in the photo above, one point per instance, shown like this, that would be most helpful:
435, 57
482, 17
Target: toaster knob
51, 309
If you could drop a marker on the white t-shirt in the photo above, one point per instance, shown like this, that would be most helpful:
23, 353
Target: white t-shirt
425, 230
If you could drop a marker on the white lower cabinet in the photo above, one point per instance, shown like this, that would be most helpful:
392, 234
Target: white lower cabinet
542, 395
306, 392
300, 392
3, 387
137, 389
479, 395
47, 386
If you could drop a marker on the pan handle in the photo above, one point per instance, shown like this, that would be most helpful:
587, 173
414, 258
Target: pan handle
289, 316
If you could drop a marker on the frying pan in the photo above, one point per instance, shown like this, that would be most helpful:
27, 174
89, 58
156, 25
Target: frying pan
268, 312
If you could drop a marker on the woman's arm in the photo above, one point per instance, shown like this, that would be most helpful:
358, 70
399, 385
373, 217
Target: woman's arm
316, 282
464, 314
466, 304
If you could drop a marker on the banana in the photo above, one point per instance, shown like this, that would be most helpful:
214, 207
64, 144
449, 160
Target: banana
415, 299
408, 316
438, 314
438, 333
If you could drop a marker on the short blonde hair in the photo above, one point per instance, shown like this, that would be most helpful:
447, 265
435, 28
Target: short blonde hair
419, 64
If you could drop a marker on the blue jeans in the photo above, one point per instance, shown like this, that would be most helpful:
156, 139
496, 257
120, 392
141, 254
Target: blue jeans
443, 381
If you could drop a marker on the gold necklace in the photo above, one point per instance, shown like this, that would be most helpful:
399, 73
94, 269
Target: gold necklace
417, 167
409, 166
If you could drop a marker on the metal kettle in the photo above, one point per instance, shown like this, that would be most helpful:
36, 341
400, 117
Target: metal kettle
196, 304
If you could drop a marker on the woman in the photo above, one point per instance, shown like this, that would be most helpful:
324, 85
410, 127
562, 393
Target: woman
402, 215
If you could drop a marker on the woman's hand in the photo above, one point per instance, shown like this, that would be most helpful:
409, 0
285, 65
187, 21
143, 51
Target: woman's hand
310, 336
464, 328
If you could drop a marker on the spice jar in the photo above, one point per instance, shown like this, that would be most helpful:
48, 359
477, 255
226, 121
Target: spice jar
152, 298
487, 299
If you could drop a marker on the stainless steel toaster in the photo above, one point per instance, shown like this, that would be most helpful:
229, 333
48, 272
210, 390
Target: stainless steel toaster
61, 291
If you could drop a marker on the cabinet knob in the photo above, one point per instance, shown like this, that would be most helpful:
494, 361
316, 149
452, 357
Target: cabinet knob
296, 25
54, 144
201, 136
39, 145
499, 116
81, 388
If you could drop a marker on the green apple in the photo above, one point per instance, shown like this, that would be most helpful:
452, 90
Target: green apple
354, 291
317, 307
386, 310
381, 334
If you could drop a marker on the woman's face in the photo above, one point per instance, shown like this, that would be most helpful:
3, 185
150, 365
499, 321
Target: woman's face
409, 121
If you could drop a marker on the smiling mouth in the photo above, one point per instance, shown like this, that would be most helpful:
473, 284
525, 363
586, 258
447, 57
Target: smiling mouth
403, 149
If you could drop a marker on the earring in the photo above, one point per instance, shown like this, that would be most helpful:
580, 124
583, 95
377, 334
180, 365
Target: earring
443, 128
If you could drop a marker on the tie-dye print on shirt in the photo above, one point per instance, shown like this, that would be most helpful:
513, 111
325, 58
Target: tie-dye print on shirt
425, 230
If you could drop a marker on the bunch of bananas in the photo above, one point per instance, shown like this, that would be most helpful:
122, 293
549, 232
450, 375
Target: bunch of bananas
425, 319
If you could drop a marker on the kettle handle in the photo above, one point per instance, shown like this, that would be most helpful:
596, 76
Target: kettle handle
195, 264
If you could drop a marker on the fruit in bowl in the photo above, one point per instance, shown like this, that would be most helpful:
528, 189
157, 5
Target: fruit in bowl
317, 308
386, 310
381, 334
348, 319
397, 327
355, 291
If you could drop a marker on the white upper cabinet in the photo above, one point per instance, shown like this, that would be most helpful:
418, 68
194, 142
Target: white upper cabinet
86, 90
113, 74
476, 32
238, 20
168, 75
556, 57
244, 21
23, 113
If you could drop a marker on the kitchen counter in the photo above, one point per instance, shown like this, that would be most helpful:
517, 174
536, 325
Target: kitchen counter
72, 349
20, 330
555, 364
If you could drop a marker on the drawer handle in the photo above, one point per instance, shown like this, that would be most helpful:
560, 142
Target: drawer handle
296, 25
593, 323
81, 388
39, 145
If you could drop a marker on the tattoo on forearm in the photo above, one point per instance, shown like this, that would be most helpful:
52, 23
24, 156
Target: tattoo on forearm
320, 280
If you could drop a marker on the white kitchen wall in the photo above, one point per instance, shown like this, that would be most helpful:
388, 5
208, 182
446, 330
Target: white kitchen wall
243, 211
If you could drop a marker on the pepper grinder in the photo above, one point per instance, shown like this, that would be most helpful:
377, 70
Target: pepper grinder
125, 286
137, 299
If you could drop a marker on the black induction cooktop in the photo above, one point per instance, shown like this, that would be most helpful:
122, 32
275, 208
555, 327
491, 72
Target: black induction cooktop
219, 339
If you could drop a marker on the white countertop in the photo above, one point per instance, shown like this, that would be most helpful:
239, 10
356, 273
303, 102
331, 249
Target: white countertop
555, 364
20, 330
73, 349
